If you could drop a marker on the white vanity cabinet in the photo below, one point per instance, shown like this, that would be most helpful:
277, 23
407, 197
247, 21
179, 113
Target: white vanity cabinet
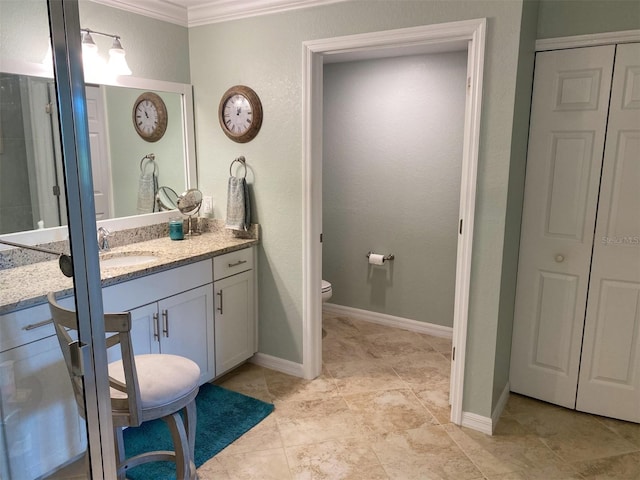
39, 422
177, 321
235, 312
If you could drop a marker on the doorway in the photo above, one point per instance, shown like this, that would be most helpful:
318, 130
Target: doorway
454, 36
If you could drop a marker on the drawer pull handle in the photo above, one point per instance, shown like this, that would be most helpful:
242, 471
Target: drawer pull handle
220, 307
165, 323
33, 326
156, 327
239, 262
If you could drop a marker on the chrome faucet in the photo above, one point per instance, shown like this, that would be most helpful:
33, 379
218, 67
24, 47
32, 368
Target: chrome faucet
103, 239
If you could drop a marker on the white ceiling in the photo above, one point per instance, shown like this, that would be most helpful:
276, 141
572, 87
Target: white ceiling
191, 13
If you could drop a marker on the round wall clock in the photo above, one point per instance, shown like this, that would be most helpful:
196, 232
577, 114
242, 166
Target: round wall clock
150, 116
240, 113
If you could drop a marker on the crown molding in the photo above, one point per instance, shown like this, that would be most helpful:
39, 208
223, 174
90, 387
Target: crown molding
216, 11
159, 9
193, 13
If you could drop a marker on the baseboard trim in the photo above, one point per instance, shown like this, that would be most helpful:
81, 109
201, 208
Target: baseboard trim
485, 424
278, 364
389, 320
477, 422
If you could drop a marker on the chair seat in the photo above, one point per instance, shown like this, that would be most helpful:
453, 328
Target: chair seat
162, 378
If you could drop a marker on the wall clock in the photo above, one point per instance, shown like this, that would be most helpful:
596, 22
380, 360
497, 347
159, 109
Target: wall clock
150, 116
240, 113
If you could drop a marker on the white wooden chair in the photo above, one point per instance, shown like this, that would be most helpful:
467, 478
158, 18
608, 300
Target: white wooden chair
143, 387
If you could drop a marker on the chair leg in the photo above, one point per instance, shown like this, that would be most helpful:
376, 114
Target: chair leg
180, 445
119, 449
190, 419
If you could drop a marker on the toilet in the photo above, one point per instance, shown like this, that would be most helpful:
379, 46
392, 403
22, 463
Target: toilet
326, 290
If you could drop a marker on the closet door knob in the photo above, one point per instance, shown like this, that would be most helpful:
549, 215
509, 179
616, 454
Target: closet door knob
559, 258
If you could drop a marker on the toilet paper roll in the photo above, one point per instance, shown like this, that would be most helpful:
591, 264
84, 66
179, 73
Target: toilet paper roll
376, 259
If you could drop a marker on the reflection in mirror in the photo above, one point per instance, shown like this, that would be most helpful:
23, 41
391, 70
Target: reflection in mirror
31, 184
189, 204
167, 198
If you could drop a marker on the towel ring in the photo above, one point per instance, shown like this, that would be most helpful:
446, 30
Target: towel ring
151, 158
242, 160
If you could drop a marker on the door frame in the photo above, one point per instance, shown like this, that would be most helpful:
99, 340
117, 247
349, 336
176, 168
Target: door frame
453, 36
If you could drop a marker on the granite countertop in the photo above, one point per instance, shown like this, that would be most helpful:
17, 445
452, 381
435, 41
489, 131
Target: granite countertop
28, 285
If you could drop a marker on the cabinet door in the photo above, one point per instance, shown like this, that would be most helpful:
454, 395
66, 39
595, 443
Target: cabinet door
564, 159
145, 332
40, 421
610, 367
186, 328
234, 320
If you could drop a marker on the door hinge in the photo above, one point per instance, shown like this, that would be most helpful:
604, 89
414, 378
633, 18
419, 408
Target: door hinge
79, 357
320, 238
56, 191
453, 354
48, 108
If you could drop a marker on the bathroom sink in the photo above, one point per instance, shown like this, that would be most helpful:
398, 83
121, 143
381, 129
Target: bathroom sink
126, 259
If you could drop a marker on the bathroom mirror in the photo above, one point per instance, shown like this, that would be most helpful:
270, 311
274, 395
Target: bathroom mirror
30, 158
167, 198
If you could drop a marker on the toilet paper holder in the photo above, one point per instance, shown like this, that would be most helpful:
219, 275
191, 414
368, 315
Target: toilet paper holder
386, 257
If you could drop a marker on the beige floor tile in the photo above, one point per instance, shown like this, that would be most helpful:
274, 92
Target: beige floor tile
555, 472
511, 449
627, 430
264, 436
303, 423
351, 458
400, 343
370, 328
213, 470
346, 349
619, 467
435, 398
424, 453
419, 370
439, 344
364, 376
287, 388
262, 465
249, 380
574, 436
390, 410
519, 404
340, 326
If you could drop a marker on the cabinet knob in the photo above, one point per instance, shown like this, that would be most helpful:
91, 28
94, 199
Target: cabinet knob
559, 258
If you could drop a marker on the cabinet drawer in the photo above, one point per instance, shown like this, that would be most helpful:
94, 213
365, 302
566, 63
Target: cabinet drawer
28, 325
24, 326
232, 263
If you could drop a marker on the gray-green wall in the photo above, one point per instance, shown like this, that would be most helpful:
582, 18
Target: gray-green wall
563, 18
266, 53
392, 154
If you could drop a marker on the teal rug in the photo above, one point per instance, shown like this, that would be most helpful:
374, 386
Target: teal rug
223, 416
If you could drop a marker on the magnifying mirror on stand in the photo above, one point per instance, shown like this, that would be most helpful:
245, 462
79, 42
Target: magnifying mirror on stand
167, 199
189, 204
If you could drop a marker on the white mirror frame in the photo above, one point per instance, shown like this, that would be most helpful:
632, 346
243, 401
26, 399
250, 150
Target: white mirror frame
54, 234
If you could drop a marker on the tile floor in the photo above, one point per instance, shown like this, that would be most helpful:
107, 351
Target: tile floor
379, 411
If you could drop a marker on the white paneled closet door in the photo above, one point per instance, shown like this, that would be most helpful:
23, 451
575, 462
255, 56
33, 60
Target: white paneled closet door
564, 159
609, 381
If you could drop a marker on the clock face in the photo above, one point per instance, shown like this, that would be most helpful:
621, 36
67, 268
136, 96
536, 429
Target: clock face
150, 117
237, 114
240, 114
146, 117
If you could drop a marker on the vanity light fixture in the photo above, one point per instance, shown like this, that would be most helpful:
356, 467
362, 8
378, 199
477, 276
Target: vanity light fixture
93, 62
